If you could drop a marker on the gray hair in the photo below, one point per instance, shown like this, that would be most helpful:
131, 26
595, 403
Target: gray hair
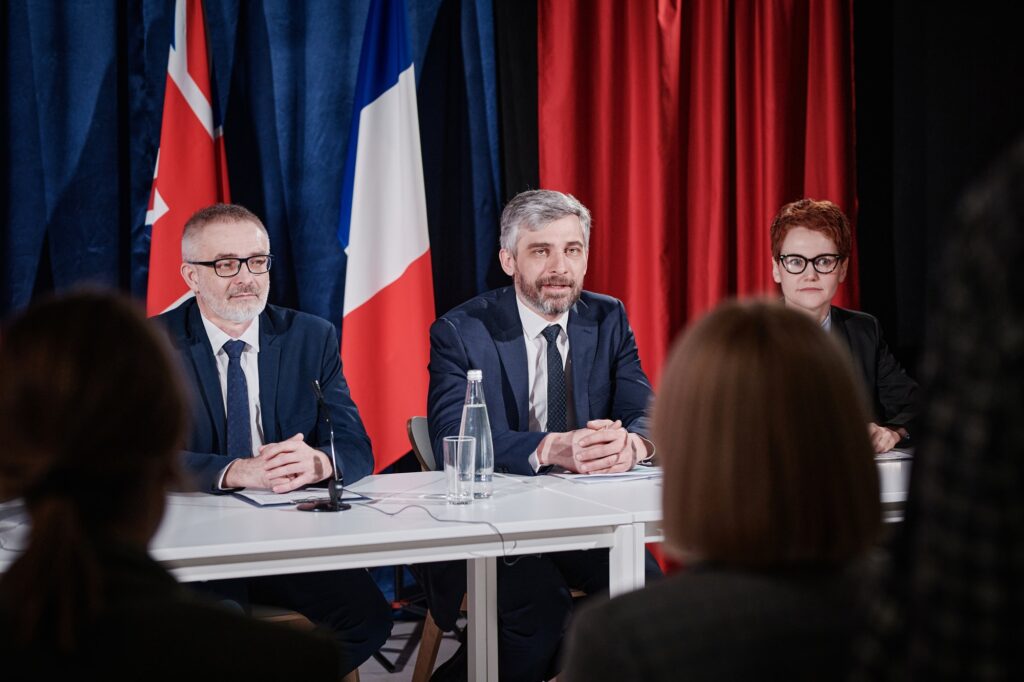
217, 213
536, 208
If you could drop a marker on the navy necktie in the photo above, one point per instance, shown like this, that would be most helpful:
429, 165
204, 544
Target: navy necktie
239, 425
556, 382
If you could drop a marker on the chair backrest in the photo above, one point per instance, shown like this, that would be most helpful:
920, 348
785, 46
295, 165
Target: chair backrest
419, 438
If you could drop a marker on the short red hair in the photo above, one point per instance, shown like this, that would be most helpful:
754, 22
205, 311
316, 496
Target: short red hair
819, 216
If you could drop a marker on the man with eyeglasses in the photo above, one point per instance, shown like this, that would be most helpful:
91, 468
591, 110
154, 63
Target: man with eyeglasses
811, 244
255, 421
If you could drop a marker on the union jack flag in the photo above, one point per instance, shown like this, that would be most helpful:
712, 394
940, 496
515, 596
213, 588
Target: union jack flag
190, 171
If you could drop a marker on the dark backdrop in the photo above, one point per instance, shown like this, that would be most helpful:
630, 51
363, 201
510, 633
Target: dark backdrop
939, 96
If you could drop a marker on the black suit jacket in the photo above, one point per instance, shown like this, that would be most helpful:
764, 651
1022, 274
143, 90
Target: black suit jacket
486, 333
295, 349
894, 395
719, 625
152, 628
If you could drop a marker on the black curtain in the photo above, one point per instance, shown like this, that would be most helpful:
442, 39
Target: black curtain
939, 96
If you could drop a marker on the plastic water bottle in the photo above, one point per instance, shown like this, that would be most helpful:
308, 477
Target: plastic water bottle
475, 423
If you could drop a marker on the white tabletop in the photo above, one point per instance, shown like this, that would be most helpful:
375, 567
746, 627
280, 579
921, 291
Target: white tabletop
407, 520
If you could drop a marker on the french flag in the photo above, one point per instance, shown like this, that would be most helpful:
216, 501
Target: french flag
190, 170
389, 296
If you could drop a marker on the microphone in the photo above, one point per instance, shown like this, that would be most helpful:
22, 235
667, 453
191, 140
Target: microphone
334, 486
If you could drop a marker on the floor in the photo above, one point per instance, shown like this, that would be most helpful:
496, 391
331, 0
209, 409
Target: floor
401, 649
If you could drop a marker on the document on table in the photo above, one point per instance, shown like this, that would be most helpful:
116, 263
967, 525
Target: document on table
895, 454
637, 473
268, 498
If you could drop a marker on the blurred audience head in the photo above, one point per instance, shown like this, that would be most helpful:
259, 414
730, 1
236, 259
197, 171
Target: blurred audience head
91, 416
760, 426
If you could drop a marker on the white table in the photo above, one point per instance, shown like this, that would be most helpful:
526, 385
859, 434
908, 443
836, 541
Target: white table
640, 499
205, 537
894, 482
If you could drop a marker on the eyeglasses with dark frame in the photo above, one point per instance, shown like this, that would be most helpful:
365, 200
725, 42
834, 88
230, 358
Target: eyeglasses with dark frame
229, 267
823, 264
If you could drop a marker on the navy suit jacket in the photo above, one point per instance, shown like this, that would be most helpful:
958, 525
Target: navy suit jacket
295, 349
894, 396
486, 333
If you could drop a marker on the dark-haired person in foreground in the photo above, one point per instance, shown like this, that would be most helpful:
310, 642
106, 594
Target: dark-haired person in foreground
92, 417
770, 500
811, 243
255, 422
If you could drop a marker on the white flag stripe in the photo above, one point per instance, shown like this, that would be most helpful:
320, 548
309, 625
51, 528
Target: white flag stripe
388, 229
160, 207
184, 297
177, 69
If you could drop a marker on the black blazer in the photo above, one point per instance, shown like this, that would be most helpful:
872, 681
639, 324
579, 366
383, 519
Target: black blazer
295, 348
894, 395
719, 625
153, 628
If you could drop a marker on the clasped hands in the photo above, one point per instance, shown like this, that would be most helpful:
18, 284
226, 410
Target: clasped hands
883, 438
280, 467
603, 447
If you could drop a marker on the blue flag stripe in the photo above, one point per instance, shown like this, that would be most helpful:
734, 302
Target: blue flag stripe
384, 56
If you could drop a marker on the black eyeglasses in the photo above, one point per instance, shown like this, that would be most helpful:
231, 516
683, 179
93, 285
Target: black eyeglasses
823, 264
229, 267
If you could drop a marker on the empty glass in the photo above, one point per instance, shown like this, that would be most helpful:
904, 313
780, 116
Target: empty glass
459, 468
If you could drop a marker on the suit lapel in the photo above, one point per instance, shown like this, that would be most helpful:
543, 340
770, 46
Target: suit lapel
507, 332
839, 327
270, 366
582, 349
206, 371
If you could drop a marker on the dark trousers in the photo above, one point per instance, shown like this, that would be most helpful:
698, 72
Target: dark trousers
534, 604
348, 604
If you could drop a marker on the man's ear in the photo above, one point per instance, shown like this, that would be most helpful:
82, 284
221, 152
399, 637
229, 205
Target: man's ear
776, 275
188, 273
508, 262
842, 269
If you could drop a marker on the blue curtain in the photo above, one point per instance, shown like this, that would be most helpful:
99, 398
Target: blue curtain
81, 97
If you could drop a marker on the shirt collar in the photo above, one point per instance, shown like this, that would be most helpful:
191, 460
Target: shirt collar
218, 338
534, 324
826, 324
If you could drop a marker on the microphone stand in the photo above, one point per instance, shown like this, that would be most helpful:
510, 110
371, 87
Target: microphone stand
334, 486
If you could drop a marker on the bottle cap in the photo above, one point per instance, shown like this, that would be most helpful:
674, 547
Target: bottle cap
475, 375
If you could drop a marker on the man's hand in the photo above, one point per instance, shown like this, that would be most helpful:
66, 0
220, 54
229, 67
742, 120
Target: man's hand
883, 439
602, 447
280, 467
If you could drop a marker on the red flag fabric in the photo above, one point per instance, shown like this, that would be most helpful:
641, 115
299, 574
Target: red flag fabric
191, 171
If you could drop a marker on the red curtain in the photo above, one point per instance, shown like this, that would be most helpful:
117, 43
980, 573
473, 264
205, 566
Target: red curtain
684, 126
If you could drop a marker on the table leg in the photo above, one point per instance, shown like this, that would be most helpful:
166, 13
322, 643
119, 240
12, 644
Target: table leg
625, 561
482, 592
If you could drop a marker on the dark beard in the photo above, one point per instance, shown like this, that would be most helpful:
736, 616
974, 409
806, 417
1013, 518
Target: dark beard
548, 306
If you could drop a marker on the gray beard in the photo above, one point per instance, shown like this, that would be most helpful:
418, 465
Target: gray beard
239, 313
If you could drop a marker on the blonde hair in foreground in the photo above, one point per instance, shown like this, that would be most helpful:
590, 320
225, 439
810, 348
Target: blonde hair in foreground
762, 432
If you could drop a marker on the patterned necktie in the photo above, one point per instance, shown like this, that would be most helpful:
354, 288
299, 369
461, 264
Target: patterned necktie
556, 382
239, 425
